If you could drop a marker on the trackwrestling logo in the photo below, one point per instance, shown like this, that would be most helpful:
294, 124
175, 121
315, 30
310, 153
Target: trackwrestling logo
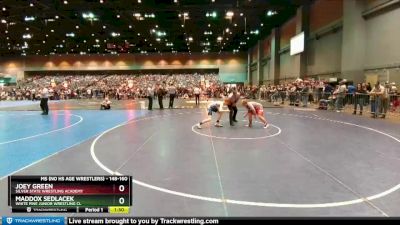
33, 220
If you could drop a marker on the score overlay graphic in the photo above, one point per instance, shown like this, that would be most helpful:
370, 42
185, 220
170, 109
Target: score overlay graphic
70, 194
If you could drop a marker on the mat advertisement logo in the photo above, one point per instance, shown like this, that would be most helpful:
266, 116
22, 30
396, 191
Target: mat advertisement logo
9, 220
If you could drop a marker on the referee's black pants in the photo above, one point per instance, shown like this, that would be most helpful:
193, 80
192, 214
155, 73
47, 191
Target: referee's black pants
150, 102
171, 101
160, 101
197, 99
44, 105
232, 113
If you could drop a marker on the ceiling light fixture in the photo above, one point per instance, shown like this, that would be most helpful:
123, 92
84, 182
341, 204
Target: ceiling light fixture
29, 18
211, 14
115, 34
151, 15
89, 16
161, 34
271, 13
27, 36
70, 34
229, 14
255, 32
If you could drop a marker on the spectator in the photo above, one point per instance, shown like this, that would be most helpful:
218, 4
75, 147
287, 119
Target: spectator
359, 96
375, 98
106, 104
341, 93
385, 100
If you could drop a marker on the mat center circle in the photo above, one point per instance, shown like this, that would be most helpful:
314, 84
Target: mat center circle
238, 132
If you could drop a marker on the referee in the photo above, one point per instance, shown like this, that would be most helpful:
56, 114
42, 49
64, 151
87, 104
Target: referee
172, 95
44, 99
232, 101
150, 96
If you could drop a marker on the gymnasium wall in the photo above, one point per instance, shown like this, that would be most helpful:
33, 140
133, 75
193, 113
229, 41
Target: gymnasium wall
232, 67
266, 75
324, 54
287, 67
382, 39
366, 47
324, 46
288, 30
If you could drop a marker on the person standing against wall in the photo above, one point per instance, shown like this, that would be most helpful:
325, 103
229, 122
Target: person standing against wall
359, 97
383, 108
305, 93
375, 98
44, 99
172, 95
341, 93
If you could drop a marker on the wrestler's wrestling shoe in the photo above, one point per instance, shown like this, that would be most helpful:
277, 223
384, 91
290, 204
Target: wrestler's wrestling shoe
198, 126
218, 125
